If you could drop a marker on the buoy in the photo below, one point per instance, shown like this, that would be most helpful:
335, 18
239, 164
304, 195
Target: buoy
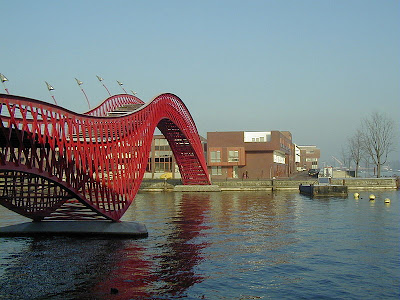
356, 195
372, 197
387, 200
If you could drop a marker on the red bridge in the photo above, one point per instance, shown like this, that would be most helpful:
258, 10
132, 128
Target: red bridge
57, 164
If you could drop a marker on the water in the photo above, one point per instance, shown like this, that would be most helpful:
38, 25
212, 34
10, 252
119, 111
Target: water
229, 245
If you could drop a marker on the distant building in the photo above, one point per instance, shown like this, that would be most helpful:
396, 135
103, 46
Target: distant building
161, 159
239, 154
253, 155
309, 156
297, 159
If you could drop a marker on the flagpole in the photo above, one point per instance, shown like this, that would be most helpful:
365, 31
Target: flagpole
50, 88
101, 80
3, 80
120, 84
80, 85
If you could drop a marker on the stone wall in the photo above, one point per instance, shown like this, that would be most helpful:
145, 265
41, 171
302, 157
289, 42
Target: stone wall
245, 185
279, 184
366, 183
292, 184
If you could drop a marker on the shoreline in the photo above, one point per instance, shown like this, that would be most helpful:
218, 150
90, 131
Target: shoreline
175, 185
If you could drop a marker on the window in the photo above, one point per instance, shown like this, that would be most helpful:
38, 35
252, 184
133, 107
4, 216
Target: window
279, 158
215, 156
216, 170
161, 145
257, 137
233, 156
160, 142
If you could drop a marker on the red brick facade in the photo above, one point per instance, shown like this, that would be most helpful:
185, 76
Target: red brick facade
309, 156
252, 155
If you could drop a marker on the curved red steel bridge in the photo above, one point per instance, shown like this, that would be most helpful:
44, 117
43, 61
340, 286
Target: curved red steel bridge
58, 164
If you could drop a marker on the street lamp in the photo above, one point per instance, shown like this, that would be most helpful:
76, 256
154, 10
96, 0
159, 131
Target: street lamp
50, 88
3, 80
101, 80
120, 84
80, 85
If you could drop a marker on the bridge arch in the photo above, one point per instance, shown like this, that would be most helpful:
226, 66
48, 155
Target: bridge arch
94, 161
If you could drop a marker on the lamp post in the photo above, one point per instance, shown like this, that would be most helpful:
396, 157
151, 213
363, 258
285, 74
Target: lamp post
120, 84
80, 85
101, 81
3, 80
133, 93
50, 88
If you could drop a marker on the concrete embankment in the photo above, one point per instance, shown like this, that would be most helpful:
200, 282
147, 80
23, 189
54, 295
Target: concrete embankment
77, 228
368, 183
155, 185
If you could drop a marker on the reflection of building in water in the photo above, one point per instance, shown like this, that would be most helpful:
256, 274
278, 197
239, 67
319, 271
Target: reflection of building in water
161, 160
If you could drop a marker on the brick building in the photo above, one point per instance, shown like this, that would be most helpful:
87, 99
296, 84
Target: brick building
253, 155
161, 159
309, 156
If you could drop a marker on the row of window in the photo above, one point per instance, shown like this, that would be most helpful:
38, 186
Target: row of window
233, 156
308, 159
260, 139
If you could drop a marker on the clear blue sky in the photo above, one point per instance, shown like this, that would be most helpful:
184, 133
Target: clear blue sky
314, 68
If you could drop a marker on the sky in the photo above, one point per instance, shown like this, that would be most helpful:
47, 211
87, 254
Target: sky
315, 68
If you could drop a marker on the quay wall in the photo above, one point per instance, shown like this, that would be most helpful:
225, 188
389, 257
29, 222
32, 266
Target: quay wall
159, 185
367, 183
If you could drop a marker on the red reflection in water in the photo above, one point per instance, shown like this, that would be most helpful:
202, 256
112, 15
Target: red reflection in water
182, 252
129, 278
139, 275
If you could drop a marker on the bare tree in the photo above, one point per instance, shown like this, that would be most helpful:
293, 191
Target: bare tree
356, 149
345, 157
378, 138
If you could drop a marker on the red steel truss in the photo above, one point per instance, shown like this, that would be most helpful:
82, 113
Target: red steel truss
57, 164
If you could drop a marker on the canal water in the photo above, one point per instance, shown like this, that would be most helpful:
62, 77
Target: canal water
229, 245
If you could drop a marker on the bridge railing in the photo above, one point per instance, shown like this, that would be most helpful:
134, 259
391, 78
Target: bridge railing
99, 161
111, 103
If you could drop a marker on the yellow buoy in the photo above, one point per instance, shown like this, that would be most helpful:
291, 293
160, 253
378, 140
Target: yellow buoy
372, 197
356, 195
387, 200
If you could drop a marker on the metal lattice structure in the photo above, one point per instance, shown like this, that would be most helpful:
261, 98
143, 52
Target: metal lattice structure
58, 164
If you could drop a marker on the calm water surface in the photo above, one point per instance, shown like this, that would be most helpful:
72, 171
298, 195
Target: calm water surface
229, 245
